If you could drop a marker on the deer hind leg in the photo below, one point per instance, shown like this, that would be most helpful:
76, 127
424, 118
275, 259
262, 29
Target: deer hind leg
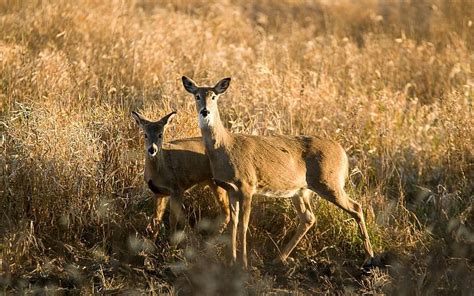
223, 201
340, 198
302, 205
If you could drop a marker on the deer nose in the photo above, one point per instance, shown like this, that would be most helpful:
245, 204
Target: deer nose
152, 150
204, 112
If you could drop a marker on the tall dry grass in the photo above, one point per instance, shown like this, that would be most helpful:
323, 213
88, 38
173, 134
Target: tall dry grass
391, 81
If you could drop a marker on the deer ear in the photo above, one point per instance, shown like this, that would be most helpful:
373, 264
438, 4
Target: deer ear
222, 86
138, 118
168, 118
189, 85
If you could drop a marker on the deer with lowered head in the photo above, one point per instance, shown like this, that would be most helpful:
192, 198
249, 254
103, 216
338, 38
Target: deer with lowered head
173, 168
281, 166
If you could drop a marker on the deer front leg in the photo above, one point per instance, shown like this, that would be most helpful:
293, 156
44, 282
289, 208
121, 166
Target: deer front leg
234, 222
223, 201
176, 211
160, 207
246, 201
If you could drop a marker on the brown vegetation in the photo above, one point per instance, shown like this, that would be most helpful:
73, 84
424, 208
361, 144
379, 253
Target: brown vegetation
391, 81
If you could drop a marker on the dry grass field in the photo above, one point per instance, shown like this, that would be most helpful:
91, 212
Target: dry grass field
392, 81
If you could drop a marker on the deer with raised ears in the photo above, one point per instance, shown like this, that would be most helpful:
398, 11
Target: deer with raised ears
173, 168
283, 166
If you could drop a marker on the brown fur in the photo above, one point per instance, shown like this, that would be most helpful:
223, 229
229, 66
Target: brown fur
287, 166
177, 167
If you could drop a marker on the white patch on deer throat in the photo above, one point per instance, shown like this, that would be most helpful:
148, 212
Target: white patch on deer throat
206, 121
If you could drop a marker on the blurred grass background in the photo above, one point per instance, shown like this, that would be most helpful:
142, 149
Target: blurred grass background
390, 80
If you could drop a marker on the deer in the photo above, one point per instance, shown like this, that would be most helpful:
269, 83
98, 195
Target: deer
284, 166
172, 168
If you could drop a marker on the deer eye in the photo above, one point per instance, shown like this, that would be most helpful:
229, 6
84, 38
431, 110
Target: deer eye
160, 136
146, 136
197, 98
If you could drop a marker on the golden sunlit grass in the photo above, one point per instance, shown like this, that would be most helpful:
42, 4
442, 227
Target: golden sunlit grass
392, 82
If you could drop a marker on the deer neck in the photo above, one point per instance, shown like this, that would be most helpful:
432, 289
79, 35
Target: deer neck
215, 135
154, 166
